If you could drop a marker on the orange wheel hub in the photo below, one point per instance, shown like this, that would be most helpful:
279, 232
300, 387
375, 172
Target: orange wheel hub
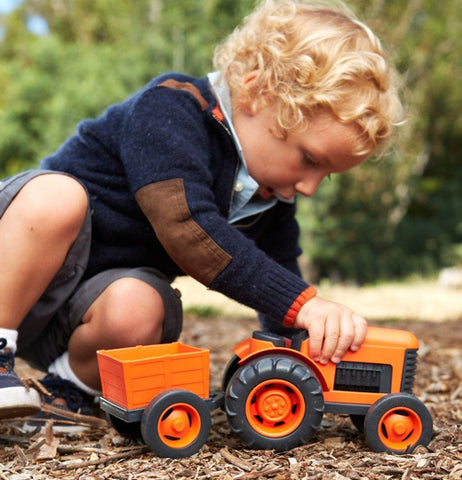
179, 425
399, 428
275, 408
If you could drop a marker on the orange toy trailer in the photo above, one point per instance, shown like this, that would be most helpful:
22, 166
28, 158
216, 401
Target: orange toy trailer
276, 394
159, 393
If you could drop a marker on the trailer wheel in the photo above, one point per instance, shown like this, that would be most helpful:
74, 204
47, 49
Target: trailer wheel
274, 402
176, 423
397, 423
130, 430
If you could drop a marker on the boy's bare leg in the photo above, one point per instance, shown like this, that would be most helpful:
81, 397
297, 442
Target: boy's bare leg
36, 232
129, 312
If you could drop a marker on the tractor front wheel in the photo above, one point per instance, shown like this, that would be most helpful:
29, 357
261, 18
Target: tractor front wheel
397, 423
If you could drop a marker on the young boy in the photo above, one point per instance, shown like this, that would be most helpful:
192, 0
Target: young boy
190, 176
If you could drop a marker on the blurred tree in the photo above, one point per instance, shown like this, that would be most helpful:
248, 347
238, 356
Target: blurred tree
97, 53
401, 214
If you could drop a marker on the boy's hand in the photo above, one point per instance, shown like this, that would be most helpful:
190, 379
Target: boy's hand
332, 327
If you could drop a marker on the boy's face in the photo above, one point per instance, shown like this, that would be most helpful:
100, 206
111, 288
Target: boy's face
298, 163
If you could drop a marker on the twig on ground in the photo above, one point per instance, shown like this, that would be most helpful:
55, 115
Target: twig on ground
21, 455
76, 417
109, 458
228, 456
14, 439
32, 382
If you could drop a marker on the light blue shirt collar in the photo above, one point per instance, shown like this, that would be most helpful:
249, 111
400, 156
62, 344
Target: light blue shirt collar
244, 201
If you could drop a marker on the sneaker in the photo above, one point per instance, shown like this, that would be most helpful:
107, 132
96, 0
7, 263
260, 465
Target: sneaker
64, 395
16, 400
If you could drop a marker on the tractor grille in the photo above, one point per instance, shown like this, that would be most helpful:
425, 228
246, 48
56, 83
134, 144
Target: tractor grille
362, 377
410, 365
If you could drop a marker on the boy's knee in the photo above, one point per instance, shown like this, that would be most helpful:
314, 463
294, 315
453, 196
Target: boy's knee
55, 202
133, 312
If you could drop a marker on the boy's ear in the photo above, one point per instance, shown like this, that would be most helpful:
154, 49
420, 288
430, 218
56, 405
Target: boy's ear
250, 77
245, 99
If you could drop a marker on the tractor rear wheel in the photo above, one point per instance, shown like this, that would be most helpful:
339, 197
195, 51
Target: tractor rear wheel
274, 402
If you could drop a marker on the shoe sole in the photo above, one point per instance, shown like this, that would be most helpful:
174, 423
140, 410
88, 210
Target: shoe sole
18, 402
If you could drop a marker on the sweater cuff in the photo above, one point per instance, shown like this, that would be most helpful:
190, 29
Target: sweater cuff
292, 313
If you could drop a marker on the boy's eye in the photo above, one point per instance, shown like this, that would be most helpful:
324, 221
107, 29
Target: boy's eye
308, 160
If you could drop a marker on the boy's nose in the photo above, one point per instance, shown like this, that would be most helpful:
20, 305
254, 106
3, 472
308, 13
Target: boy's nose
308, 186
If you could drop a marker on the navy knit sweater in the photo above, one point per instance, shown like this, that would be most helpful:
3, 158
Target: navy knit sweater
159, 168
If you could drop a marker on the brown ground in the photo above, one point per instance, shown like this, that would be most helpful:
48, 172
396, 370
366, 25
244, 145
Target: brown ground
337, 451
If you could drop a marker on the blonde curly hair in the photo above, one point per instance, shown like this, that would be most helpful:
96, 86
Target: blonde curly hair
310, 56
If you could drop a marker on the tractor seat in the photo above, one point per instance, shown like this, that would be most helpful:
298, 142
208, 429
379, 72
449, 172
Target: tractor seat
274, 338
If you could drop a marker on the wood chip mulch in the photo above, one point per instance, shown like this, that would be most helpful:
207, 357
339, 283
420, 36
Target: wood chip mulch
337, 451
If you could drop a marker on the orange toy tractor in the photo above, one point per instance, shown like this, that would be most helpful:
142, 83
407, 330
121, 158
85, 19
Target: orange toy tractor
274, 394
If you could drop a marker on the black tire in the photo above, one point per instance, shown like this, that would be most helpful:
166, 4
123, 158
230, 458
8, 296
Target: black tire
130, 430
274, 402
162, 432
358, 422
397, 423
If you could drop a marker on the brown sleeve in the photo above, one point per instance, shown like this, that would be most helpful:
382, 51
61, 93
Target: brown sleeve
188, 244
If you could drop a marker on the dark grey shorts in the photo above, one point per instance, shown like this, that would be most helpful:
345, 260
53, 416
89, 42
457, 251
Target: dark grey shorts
47, 328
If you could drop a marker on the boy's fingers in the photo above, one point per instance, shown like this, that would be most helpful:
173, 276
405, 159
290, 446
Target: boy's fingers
360, 325
333, 329
316, 333
331, 339
354, 331
346, 338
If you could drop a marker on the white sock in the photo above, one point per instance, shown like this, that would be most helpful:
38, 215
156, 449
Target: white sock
62, 368
11, 337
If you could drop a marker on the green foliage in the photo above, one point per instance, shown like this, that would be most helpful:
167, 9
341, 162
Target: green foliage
202, 311
388, 218
54, 86
98, 52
